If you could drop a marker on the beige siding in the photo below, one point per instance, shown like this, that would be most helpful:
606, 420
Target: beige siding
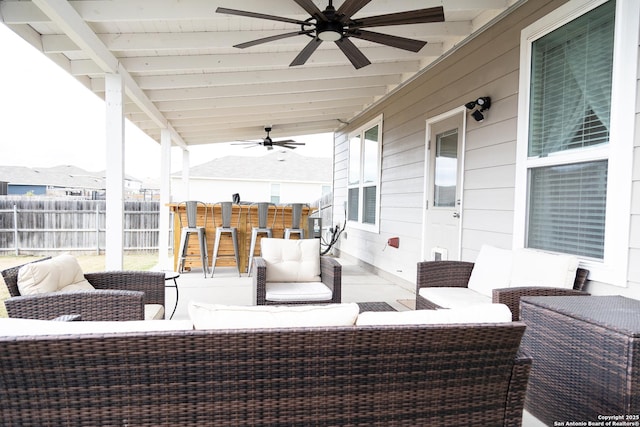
487, 66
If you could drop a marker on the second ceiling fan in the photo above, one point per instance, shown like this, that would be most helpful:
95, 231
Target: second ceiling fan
338, 26
270, 143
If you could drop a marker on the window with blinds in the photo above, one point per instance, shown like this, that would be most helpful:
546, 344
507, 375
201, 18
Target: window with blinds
570, 104
364, 175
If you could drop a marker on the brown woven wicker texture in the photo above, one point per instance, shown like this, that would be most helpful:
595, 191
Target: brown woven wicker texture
586, 357
352, 376
457, 274
119, 295
330, 274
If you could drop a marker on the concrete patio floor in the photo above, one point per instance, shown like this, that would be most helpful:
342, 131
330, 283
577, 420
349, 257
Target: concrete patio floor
226, 287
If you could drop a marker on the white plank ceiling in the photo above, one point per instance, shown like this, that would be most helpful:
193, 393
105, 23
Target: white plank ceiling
182, 72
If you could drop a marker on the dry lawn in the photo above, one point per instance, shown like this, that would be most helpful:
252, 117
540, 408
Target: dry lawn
89, 264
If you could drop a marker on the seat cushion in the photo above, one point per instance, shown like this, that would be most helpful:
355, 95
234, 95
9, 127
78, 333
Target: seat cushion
21, 327
454, 297
480, 313
537, 268
217, 316
60, 273
153, 312
291, 260
298, 291
492, 270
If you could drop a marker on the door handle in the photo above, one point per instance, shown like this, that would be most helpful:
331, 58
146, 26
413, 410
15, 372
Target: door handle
456, 214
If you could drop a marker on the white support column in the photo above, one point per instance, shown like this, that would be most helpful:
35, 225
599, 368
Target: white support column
114, 101
185, 174
165, 198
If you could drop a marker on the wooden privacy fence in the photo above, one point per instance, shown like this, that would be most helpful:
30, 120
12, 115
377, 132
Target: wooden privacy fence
30, 225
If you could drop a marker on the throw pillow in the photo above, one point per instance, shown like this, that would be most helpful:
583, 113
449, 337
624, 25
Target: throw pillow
291, 260
537, 268
491, 270
52, 275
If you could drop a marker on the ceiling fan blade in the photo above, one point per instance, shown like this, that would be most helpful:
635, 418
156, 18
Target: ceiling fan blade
290, 147
350, 8
311, 9
421, 16
389, 40
308, 50
260, 16
271, 38
288, 141
352, 53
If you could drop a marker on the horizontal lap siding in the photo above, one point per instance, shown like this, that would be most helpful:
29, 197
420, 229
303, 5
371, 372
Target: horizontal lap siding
486, 66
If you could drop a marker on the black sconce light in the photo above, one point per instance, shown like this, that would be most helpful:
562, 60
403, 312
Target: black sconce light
483, 103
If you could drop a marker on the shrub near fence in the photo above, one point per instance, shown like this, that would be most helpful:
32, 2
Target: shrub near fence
35, 226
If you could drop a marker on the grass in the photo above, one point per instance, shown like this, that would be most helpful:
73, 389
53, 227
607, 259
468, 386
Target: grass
89, 264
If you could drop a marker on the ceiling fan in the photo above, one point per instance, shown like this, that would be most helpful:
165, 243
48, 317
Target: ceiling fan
269, 143
338, 26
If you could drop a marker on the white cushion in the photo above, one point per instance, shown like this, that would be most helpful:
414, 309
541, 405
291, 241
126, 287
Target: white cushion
482, 313
52, 275
537, 268
291, 260
295, 291
19, 327
216, 316
454, 297
153, 312
492, 270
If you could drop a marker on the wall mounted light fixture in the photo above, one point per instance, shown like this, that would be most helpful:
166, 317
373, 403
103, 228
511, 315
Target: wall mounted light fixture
478, 106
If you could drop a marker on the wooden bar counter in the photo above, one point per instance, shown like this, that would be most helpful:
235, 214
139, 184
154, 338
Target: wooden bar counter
240, 218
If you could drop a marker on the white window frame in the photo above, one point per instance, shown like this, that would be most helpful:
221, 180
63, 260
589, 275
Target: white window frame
375, 228
619, 152
274, 192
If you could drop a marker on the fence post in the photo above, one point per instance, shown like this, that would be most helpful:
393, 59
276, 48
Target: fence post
97, 229
15, 229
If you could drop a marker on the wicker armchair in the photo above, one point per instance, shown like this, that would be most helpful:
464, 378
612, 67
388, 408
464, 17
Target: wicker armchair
457, 274
331, 275
119, 295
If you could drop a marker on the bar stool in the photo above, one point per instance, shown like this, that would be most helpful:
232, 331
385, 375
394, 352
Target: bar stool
262, 228
296, 218
190, 226
226, 212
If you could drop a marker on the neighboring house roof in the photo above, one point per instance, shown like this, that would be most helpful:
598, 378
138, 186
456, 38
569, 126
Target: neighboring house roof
277, 165
65, 176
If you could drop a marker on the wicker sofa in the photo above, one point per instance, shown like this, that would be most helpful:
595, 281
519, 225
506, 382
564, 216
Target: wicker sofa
118, 295
406, 375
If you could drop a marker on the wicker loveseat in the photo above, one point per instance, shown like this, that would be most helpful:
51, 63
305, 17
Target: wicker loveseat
457, 274
410, 375
118, 295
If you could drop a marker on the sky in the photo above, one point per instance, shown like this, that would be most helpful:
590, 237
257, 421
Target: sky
48, 118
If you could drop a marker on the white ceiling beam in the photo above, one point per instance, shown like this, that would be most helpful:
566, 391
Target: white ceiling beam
273, 76
256, 109
157, 42
66, 18
172, 10
294, 87
242, 61
343, 112
253, 132
267, 100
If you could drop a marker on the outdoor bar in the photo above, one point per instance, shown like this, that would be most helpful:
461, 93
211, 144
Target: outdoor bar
279, 216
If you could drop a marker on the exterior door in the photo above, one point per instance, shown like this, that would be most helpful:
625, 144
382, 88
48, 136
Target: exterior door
443, 188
